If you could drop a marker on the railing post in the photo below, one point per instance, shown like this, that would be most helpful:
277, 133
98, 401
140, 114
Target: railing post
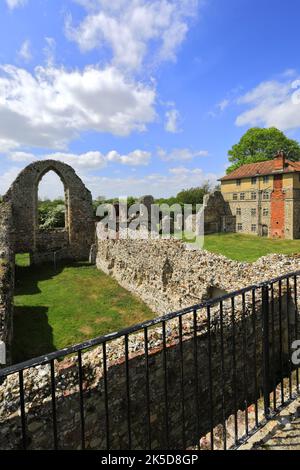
266, 349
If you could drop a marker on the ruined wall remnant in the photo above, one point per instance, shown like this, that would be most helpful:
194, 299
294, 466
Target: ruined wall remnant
215, 209
20, 232
6, 277
198, 392
75, 240
169, 275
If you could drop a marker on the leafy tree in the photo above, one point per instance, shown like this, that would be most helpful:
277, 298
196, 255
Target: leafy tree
259, 144
102, 200
51, 214
193, 195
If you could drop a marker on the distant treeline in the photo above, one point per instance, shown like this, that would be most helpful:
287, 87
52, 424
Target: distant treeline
192, 196
52, 212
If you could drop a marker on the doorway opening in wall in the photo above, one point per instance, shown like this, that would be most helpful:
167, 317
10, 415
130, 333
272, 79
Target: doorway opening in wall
51, 202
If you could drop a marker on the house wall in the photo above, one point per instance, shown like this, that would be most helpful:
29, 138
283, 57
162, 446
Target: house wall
278, 209
285, 206
230, 186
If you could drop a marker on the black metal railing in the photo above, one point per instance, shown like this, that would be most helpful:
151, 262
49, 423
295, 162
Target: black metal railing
205, 377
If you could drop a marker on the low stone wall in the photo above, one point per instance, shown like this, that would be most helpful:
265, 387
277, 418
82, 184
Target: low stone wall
169, 275
6, 278
52, 245
185, 391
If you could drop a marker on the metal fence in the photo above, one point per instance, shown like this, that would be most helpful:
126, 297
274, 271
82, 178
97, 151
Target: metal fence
206, 377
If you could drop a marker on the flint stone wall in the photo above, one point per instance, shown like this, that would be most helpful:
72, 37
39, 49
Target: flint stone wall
182, 381
178, 275
6, 277
169, 275
79, 234
215, 211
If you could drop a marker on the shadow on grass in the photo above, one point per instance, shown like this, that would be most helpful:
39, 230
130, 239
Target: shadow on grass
28, 277
33, 335
32, 332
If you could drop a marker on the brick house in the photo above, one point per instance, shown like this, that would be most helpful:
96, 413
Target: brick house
264, 198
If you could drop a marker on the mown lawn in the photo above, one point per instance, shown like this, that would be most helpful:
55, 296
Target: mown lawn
248, 247
55, 309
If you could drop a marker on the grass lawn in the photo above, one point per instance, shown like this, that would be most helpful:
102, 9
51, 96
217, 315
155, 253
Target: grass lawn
57, 309
242, 247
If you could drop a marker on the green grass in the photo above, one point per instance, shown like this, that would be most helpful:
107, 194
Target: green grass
78, 302
242, 247
23, 259
57, 309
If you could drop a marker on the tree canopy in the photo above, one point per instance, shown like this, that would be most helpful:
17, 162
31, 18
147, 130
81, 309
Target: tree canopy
259, 144
51, 214
193, 195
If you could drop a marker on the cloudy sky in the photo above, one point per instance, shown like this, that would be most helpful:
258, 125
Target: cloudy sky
142, 96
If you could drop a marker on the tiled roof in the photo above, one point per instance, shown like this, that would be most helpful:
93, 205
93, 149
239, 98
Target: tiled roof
260, 168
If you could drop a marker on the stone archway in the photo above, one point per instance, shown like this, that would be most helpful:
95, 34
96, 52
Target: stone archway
75, 241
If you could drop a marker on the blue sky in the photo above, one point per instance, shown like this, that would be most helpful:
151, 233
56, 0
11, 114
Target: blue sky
142, 96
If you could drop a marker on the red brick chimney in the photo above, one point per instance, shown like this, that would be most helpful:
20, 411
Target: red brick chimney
279, 161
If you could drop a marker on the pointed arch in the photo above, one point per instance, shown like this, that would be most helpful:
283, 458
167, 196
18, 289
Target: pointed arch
74, 242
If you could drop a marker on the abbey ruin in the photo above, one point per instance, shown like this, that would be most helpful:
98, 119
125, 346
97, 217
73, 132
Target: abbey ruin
166, 274
20, 233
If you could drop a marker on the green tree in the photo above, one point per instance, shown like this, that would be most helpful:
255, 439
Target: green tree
259, 144
51, 214
193, 195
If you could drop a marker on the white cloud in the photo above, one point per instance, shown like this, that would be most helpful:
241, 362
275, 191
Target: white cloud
272, 103
7, 177
223, 105
7, 144
49, 51
52, 105
172, 121
181, 154
21, 157
25, 51
158, 185
92, 160
15, 3
135, 158
130, 28
85, 161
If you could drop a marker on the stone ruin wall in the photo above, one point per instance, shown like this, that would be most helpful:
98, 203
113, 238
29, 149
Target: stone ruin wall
75, 240
20, 233
217, 214
169, 275
38, 402
6, 278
